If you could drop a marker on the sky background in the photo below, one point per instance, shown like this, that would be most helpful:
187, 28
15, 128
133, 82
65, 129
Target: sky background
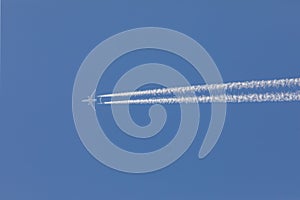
43, 44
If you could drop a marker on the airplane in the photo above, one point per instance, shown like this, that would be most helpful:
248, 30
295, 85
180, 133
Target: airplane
90, 100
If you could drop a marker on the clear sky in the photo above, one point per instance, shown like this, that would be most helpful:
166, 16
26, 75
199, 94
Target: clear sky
43, 44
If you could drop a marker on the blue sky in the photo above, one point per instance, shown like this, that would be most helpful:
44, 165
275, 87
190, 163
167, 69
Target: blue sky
43, 44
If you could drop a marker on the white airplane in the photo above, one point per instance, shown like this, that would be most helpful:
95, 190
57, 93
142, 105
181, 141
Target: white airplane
90, 100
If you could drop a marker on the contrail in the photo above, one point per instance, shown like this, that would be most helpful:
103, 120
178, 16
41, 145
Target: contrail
209, 87
266, 97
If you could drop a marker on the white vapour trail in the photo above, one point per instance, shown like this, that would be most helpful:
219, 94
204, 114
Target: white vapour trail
224, 86
266, 97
